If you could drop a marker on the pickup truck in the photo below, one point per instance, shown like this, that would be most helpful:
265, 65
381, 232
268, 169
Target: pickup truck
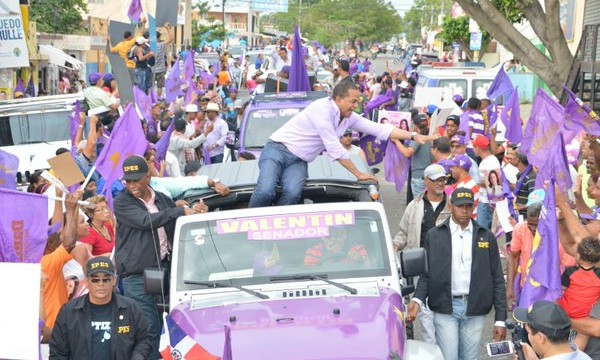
310, 281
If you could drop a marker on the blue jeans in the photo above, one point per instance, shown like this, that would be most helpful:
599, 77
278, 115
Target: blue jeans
484, 215
149, 81
140, 79
458, 335
279, 166
417, 186
216, 159
133, 288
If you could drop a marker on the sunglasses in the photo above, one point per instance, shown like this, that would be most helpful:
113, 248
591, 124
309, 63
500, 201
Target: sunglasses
104, 280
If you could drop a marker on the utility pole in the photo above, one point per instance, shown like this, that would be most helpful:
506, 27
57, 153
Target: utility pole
224, 30
300, 16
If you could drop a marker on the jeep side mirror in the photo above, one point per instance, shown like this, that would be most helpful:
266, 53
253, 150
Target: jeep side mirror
413, 262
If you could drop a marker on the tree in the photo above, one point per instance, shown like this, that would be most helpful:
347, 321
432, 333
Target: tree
423, 14
457, 30
202, 32
334, 21
57, 16
553, 68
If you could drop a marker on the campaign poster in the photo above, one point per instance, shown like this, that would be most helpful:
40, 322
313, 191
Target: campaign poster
13, 48
493, 185
399, 119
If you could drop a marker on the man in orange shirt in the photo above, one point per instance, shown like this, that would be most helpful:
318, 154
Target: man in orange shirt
224, 80
124, 47
56, 255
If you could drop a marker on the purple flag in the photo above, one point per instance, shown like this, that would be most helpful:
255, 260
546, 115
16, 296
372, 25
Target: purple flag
509, 195
555, 167
511, 118
206, 155
298, 75
153, 97
500, 86
544, 124
492, 113
188, 68
396, 166
126, 139
464, 124
23, 226
375, 103
162, 145
227, 354
30, 91
135, 11
542, 279
9, 165
74, 126
373, 148
142, 101
206, 78
19, 88
191, 95
579, 116
173, 82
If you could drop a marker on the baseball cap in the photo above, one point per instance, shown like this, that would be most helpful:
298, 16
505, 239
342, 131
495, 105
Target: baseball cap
420, 119
140, 40
135, 168
94, 77
434, 172
446, 164
238, 104
100, 264
463, 161
108, 77
544, 315
191, 108
211, 106
537, 196
462, 196
461, 140
481, 142
347, 132
431, 109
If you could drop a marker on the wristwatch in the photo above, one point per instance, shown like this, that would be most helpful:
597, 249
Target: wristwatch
214, 182
413, 135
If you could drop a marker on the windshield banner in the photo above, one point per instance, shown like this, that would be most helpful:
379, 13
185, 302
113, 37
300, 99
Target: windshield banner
286, 227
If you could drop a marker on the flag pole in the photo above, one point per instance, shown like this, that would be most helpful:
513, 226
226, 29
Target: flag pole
62, 199
89, 177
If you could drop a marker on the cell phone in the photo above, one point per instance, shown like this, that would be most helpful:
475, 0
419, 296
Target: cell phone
499, 348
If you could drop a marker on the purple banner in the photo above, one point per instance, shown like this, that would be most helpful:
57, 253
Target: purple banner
542, 279
142, 101
173, 82
511, 118
23, 226
579, 116
375, 103
396, 166
162, 145
555, 167
373, 148
188, 68
298, 75
127, 139
191, 94
30, 91
19, 89
227, 353
9, 165
135, 11
74, 126
500, 86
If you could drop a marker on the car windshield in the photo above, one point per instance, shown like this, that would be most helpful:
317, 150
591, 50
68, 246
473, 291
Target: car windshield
254, 249
261, 124
34, 128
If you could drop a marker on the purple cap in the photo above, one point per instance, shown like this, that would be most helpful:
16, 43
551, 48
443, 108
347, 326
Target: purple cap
286, 69
462, 161
304, 51
446, 164
461, 140
108, 77
94, 77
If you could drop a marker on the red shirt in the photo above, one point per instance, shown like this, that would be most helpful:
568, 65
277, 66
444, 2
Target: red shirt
100, 245
581, 293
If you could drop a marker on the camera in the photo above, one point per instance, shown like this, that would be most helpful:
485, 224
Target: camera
519, 336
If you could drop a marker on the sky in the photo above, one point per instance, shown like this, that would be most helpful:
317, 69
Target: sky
402, 6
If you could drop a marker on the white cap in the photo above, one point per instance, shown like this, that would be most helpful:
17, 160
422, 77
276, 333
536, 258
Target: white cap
434, 172
404, 85
140, 40
211, 106
238, 104
189, 108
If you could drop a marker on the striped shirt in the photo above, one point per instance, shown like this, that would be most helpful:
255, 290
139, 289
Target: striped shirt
477, 124
469, 183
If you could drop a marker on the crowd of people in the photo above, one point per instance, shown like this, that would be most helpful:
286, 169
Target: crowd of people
456, 180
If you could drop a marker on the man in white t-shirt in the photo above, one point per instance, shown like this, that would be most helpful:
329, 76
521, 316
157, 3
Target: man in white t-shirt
481, 147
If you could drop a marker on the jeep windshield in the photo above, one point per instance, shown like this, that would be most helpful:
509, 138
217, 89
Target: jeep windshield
261, 124
251, 250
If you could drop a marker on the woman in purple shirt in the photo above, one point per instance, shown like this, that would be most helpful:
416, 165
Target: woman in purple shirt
318, 127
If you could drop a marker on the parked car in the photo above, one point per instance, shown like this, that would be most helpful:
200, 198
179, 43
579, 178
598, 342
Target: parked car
259, 274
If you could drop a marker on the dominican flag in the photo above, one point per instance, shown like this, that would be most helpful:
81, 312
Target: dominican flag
176, 345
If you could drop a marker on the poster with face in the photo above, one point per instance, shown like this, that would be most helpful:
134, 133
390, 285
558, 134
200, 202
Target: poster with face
399, 119
493, 186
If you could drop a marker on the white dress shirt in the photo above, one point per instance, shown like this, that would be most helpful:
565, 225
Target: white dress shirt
462, 256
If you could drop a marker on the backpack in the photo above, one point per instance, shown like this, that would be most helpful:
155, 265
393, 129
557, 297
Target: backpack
131, 55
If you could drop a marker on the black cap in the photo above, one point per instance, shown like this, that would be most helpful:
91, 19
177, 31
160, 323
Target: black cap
100, 264
462, 196
545, 316
135, 168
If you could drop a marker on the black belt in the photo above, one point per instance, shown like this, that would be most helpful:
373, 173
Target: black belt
463, 297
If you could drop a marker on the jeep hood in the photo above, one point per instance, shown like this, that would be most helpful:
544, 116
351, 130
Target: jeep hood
341, 328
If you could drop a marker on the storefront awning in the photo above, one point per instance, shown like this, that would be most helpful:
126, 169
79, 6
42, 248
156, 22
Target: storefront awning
59, 58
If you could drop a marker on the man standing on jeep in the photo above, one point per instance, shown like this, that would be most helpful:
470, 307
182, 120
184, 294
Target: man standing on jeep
284, 160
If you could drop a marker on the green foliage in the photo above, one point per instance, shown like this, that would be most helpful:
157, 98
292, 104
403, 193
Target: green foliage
206, 33
455, 29
510, 9
423, 14
57, 16
334, 21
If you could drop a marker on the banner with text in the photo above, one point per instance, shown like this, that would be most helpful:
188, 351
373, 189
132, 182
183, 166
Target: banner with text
13, 51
